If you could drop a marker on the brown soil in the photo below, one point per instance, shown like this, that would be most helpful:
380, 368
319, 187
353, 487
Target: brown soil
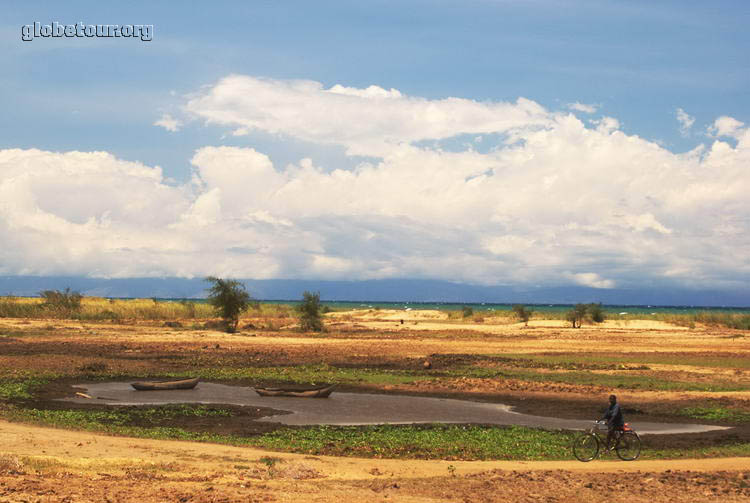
43, 464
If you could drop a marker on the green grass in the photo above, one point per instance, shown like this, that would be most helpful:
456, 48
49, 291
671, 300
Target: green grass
431, 442
22, 386
716, 414
563, 359
115, 417
449, 442
619, 381
319, 373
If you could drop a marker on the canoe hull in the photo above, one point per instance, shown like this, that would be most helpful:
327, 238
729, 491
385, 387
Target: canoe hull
317, 392
165, 385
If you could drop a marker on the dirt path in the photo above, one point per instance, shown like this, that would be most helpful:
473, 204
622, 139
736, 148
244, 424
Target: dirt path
94, 467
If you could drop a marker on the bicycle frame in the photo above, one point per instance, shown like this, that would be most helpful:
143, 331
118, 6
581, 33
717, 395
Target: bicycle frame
588, 444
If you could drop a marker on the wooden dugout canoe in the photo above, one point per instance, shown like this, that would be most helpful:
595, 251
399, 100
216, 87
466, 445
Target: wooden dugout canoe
165, 385
312, 392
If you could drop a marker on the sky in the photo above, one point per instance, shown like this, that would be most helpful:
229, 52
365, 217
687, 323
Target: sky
539, 143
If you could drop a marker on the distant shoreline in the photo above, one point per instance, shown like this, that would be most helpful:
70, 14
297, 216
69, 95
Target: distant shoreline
620, 309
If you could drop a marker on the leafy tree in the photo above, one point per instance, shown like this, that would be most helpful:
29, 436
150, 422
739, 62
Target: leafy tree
467, 311
309, 310
576, 315
229, 298
592, 312
523, 313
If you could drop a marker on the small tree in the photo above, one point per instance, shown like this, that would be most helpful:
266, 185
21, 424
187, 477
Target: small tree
576, 315
467, 311
523, 313
309, 312
592, 312
229, 298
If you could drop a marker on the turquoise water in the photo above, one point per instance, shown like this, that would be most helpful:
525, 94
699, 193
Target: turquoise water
487, 306
552, 308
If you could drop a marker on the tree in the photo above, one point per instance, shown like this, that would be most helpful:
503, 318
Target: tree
309, 311
523, 313
467, 311
229, 298
592, 312
576, 315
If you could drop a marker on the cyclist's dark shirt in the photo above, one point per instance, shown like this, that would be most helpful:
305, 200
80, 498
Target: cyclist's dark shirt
614, 416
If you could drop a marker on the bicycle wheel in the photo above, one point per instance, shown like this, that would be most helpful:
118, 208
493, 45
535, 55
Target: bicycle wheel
586, 447
628, 446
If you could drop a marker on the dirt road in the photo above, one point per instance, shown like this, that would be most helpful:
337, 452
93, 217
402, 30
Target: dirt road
51, 465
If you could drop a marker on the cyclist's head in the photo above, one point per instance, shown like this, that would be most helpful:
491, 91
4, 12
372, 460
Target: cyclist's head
612, 399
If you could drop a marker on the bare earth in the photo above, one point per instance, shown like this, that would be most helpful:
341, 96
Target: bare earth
52, 465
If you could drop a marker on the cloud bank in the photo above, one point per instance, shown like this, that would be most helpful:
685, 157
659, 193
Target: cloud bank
553, 201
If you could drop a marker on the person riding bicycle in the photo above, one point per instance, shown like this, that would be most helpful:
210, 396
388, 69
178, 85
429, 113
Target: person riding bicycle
615, 421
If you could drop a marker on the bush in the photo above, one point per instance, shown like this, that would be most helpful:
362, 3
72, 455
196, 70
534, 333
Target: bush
229, 298
309, 311
523, 313
467, 311
65, 303
595, 312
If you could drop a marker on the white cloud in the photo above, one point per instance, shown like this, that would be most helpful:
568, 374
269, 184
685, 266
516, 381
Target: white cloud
582, 107
370, 121
685, 120
593, 280
727, 126
169, 123
553, 201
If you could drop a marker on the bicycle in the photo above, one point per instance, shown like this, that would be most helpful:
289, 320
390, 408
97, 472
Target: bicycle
587, 445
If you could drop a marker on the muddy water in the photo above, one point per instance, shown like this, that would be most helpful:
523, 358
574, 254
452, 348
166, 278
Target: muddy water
356, 408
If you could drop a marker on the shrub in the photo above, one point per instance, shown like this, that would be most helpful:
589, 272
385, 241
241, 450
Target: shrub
64, 303
595, 312
467, 311
309, 311
229, 298
523, 313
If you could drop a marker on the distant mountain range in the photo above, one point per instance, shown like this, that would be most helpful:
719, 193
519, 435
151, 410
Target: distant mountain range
386, 290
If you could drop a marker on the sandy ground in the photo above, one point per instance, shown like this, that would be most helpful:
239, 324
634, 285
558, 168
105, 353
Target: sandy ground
58, 465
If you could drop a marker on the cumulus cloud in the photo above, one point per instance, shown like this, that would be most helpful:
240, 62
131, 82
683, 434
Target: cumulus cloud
582, 107
685, 120
553, 201
169, 123
368, 122
727, 126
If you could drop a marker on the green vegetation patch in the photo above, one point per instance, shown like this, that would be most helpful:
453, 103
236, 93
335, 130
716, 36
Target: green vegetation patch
716, 414
22, 387
426, 441
583, 360
618, 381
112, 419
319, 373
436, 441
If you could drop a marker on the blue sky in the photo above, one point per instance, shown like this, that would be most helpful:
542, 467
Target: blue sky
651, 80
